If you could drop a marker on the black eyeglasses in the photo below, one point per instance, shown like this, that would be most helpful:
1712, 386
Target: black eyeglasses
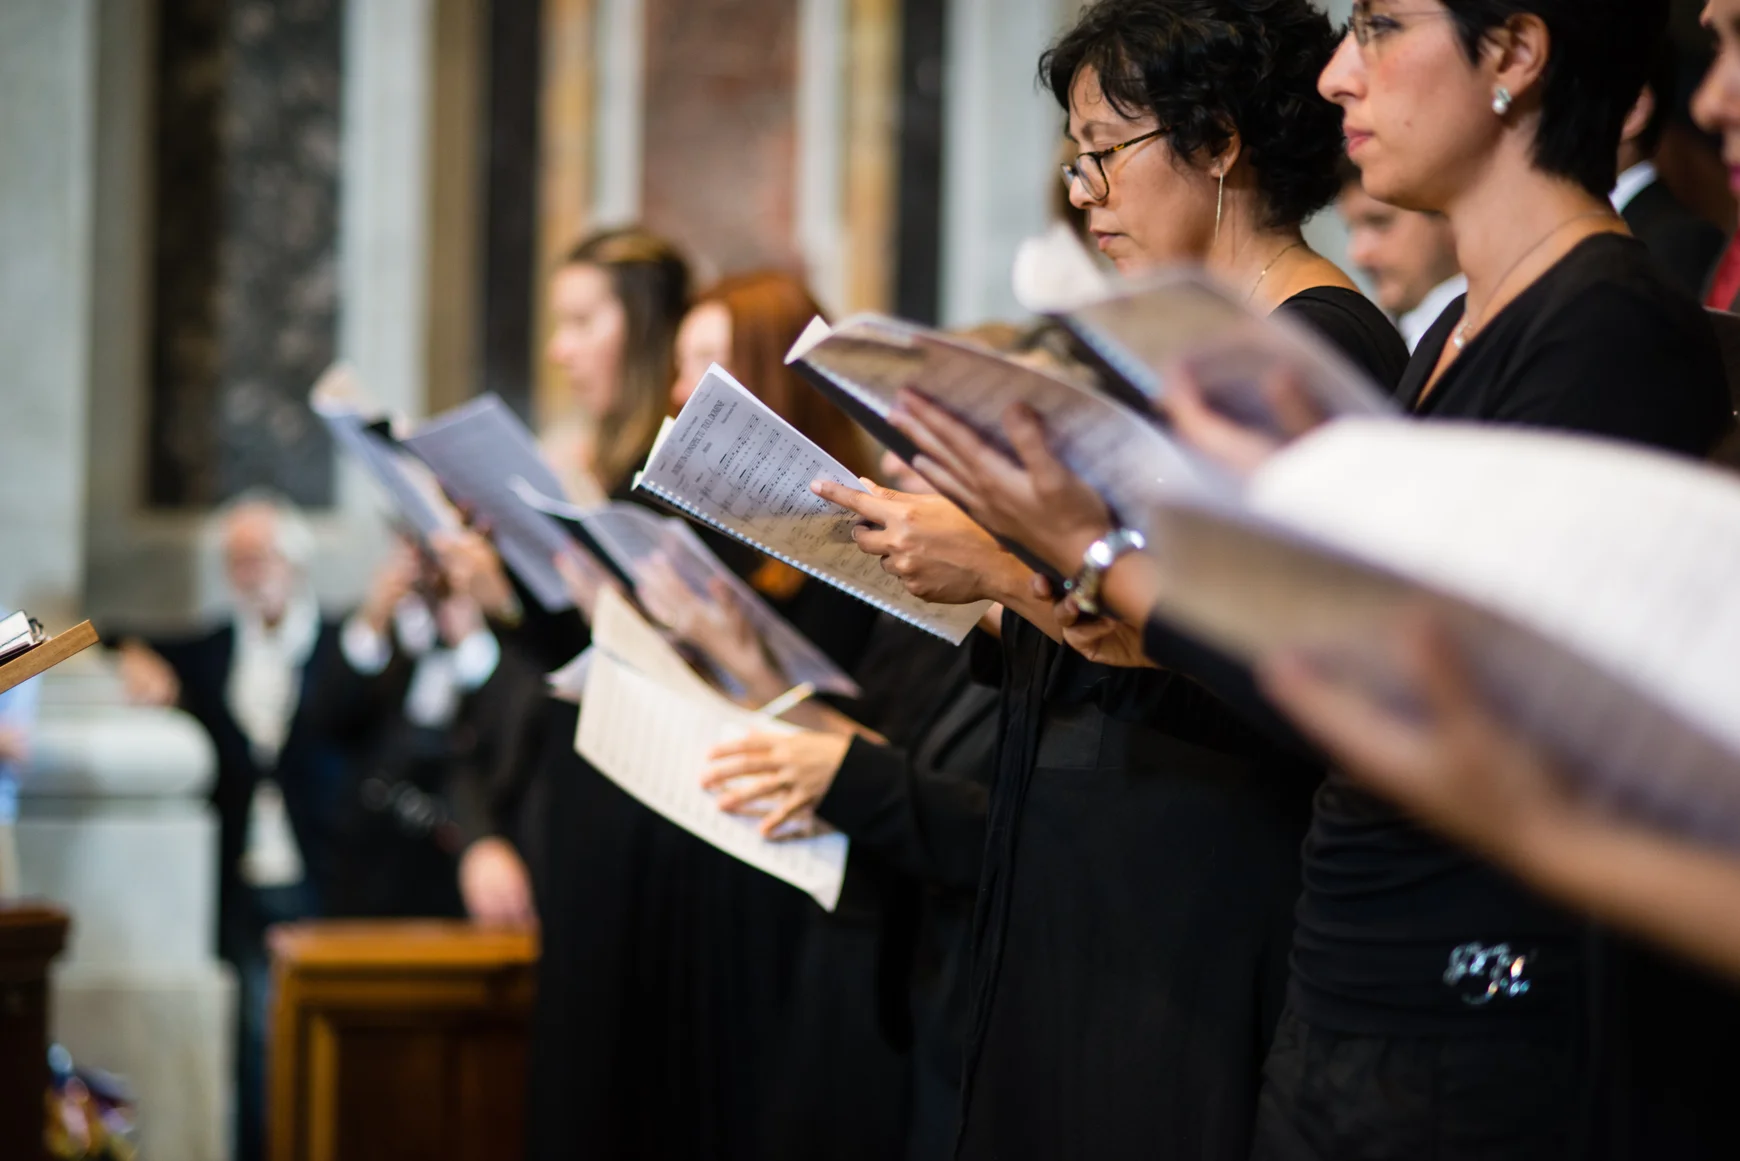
1090, 168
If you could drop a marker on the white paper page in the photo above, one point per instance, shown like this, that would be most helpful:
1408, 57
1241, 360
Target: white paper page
1121, 454
1591, 583
731, 462
652, 739
413, 491
569, 682
618, 629
1144, 331
632, 535
476, 450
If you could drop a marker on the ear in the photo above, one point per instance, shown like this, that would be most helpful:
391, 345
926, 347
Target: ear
1637, 120
1221, 164
1517, 53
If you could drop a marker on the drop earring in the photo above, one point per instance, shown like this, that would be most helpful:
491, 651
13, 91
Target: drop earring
1219, 203
1501, 100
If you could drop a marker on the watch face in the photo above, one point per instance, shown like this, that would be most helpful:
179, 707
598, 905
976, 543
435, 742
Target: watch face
1100, 554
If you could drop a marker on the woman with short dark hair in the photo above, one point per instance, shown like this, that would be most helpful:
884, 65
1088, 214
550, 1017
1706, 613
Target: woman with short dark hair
1130, 943
1203, 140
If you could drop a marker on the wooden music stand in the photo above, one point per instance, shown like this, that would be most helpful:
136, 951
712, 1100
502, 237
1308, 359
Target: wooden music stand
47, 655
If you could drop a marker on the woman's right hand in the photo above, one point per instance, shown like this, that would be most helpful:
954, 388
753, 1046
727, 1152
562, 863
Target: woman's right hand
930, 544
471, 566
1238, 446
715, 624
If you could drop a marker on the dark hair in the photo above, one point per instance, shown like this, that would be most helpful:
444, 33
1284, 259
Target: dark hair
1664, 85
1600, 58
1208, 68
769, 309
651, 280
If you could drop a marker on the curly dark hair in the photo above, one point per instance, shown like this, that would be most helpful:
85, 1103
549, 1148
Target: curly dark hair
1208, 68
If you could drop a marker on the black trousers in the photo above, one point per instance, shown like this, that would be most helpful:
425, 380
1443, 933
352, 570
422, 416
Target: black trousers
1333, 1097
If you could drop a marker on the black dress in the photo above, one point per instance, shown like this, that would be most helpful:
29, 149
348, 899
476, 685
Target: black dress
1396, 1044
1131, 937
872, 1066
667, 965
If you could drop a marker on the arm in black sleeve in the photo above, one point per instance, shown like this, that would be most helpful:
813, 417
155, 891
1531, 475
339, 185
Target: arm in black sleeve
926, 825
345, 705
505, 715
1233, 683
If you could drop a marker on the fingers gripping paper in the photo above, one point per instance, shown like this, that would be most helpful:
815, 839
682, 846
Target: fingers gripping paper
730, 462
1588, 584
647, 723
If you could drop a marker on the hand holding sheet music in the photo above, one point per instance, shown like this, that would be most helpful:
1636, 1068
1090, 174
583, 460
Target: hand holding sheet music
476, 450
1587, 584
632, 539
647, 722
868, 361
1142, 334
338, 400
730, 462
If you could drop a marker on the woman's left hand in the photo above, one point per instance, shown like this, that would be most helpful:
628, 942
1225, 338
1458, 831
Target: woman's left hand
1104, 639
1033, 499
779, 777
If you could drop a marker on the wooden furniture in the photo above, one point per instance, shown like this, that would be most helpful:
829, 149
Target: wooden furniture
47, 655
398, 1039
31, 936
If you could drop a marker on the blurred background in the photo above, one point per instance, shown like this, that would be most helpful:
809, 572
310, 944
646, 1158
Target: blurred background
205, 203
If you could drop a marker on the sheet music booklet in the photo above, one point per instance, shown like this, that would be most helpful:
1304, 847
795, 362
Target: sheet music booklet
1589, 584
627, 536
1139, 333
730, 462
358, 427
476, 450
647, 722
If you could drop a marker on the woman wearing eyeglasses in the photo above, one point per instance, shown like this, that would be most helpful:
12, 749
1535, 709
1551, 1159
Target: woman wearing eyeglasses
1142, 864
1437, 1008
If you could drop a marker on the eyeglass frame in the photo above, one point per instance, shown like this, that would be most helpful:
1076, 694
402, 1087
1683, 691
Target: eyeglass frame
1360, 18
1074, 171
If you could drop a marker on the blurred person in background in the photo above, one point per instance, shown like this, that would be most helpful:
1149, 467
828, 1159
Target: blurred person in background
248, 682
441, 719
1686, 245
17, 722
1410, 258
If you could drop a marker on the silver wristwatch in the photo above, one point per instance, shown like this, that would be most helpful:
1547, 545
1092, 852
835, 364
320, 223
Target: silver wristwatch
1095, 561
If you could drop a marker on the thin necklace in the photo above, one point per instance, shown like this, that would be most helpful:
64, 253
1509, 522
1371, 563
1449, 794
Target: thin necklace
1465, 330
1270, 267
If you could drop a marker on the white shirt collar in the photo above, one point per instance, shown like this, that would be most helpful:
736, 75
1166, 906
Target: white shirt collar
1418, 321
1631, 183
265, 671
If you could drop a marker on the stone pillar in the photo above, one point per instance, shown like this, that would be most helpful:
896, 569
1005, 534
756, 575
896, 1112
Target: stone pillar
113, 826
48, 66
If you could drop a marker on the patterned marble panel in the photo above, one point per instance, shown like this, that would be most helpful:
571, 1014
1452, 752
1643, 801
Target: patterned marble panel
246, 275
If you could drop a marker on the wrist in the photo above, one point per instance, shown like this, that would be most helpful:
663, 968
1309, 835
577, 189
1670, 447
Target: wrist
1097, 561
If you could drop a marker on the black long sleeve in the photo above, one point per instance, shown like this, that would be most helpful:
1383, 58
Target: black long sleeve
926, 825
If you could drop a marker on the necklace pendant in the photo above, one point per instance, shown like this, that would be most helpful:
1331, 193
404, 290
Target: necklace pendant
1459, 337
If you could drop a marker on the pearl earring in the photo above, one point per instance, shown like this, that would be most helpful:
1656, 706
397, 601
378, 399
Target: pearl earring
1501, 100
